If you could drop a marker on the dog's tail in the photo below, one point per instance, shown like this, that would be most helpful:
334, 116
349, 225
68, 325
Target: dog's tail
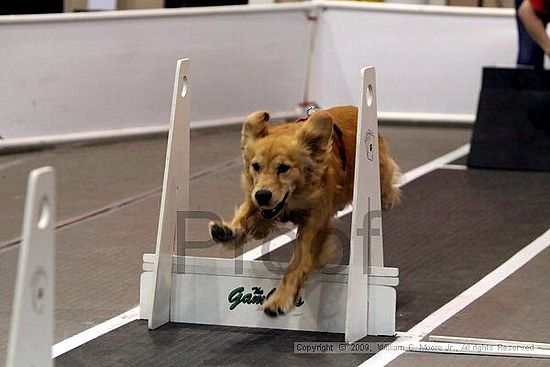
389, 176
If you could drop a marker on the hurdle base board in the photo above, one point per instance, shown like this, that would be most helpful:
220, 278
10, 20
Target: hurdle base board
201, 295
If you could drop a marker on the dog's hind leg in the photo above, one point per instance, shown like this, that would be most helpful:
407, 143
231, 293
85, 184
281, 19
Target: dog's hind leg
246, 223
311, 240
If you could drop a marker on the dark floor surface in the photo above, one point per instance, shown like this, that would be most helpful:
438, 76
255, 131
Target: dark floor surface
444, 360
454, 228
102, 254
200, 345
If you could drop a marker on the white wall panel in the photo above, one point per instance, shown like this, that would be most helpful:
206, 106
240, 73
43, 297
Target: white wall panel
428, 59
80, 73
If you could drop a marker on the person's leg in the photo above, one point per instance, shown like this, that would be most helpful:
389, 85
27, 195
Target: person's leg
529, 53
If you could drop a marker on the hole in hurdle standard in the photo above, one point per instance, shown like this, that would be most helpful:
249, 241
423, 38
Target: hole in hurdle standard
370, 94
184, 83
44, 213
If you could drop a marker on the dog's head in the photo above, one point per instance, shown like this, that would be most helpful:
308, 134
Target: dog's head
281, 161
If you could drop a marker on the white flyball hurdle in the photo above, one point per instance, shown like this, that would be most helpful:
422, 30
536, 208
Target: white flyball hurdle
358, 300
31, 332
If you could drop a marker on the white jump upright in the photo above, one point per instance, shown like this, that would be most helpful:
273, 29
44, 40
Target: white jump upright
357, 300
31, 332
366, 246
175, 195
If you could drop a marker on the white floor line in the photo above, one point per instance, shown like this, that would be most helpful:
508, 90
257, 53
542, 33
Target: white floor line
436, 163
3, 166
407, 177
450, 309
458, 167
270, 246
94, 332
133, 314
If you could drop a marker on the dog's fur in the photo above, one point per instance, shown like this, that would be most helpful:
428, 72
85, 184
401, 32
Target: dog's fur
300, 164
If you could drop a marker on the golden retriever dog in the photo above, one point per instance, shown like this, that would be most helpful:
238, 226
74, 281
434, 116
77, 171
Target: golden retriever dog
301, 172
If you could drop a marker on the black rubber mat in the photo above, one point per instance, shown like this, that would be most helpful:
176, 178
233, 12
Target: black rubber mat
452, 228
512, 129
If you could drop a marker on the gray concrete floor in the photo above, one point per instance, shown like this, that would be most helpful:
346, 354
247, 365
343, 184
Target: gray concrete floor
98, 260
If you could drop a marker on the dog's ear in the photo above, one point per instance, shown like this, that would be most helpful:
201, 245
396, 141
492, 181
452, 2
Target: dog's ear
255, 126
316, 132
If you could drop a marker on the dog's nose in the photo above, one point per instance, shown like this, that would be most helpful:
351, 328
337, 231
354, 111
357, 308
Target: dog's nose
263, 197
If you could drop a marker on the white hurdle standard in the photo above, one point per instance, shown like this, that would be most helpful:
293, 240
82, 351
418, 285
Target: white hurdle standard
31, 332
357, 300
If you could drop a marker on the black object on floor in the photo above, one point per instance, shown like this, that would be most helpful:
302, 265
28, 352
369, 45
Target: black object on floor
512, 128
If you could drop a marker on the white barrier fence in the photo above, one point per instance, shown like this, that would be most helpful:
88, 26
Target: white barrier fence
82, 73
79, 76
428, 58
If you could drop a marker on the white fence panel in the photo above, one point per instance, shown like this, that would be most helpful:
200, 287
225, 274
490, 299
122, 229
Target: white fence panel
428, 59
67, 74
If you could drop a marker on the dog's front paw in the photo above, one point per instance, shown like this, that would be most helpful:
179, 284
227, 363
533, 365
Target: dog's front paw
279, 302
221, 233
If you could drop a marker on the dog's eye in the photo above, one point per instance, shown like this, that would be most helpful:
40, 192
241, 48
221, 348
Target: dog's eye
255, 167
282, 168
